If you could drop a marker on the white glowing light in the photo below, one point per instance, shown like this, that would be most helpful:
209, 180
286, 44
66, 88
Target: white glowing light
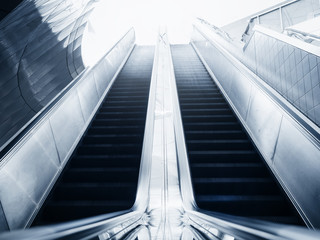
112, 18
227, 237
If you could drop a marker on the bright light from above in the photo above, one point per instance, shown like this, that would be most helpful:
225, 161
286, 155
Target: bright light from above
112, 18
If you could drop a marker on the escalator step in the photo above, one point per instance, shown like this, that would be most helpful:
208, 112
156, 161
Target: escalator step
61, 211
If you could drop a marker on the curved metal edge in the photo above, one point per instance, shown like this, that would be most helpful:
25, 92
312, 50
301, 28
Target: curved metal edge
112, 225
142, 196
220, 225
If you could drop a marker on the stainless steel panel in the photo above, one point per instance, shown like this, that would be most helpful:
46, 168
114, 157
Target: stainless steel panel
297, 162
101, 75
88, 96
16, 202
67, 123
35, 163
240, 92
264, 123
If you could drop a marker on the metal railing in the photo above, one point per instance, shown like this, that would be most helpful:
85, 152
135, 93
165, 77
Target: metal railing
222, 226
108, 226
256, 19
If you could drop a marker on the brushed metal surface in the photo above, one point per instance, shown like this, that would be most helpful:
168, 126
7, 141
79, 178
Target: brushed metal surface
68, 119
88, 96
38, 159
296, 161
264, 123
16, 202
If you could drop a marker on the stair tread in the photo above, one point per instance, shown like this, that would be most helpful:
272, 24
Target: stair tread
231, 198
232, 180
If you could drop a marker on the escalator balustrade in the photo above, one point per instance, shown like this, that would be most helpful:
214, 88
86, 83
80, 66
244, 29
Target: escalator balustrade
228, 173
102, 175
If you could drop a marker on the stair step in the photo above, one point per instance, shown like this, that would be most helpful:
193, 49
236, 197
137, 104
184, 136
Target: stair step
119, 121
127, 129
217, 134
211, 126
223, 156
112, 138
201, 112
209, 118
220, 145
245, 205
228, 170
95, 191
107, 160
119, 114
101, 175
69, 210
235, 186
95, 149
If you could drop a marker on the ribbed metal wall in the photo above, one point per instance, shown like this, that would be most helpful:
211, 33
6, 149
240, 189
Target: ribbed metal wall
40, 54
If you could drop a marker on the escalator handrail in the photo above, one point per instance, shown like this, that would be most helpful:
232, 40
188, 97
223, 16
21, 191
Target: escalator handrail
219, 224
107, 225
5, 148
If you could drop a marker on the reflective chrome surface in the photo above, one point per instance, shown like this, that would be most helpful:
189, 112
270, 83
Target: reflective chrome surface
160, 188
281, 136
29, 170
108, 226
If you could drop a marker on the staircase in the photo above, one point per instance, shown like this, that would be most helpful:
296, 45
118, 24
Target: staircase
227, 172
102, 175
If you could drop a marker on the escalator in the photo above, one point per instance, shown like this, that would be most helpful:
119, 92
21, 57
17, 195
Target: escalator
227, 172
102, 175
